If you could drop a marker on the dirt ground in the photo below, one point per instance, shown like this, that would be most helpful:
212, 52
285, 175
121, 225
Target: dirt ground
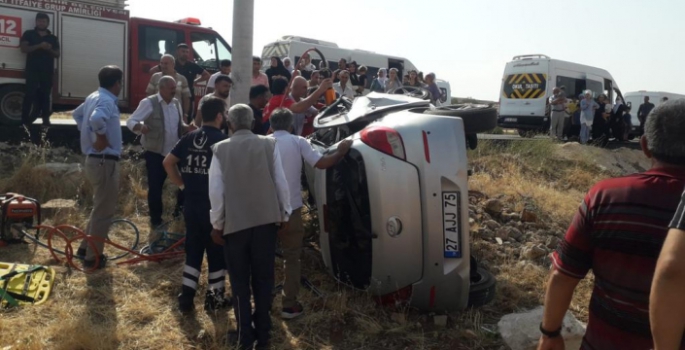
134, 307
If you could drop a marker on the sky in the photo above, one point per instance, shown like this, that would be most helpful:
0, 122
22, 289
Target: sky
468, 43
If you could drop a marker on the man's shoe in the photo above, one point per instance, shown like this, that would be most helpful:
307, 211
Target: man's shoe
288, 313
233, 339
185, 303
90, 264
216, 300
80, 254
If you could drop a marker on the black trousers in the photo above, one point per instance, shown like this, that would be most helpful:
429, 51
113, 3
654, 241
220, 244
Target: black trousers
156, 175
37, 97
250, 256
199, 241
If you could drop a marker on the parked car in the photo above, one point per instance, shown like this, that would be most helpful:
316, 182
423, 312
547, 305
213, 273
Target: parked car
394, 212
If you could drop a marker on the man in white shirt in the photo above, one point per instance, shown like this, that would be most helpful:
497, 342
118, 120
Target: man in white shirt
159, 119
343, 87
249, 196
183, 95
293, 150
224, 69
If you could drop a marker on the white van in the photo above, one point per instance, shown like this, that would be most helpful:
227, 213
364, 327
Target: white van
528, 82
294, 46
635, 98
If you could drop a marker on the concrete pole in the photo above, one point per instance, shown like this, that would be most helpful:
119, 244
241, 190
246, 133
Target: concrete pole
241, 50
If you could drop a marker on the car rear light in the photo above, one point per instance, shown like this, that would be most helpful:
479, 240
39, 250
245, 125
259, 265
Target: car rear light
384, 139
426, 149
402, 296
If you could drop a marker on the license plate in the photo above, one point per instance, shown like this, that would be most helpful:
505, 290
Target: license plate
510, 120
451, 219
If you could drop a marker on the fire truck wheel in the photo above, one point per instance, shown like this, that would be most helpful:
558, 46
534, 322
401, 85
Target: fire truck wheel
11, 99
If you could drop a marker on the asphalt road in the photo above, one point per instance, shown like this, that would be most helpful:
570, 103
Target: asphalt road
63, 132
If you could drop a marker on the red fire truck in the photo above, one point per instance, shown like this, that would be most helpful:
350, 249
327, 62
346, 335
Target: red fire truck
92, 34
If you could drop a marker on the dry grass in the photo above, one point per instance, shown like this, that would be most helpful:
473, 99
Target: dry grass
135, 307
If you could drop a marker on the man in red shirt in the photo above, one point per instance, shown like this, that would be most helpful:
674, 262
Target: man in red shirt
279, 100
618, 232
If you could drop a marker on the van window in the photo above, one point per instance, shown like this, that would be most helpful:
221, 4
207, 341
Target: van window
595, 86
154, 42
525, 86
574, 87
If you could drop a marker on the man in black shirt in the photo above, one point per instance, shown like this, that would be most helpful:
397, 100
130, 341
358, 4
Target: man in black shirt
190, 70
188, 167
259, 97
643, 112
41, 49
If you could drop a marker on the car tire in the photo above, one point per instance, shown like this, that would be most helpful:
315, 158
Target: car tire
482, 290
477, 118
11, 100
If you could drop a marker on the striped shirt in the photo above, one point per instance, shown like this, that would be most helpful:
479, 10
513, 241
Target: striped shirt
679, 218
618, 233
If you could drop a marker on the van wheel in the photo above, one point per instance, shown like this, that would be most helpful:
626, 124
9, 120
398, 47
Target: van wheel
482, 290
11, 100
477, 118
526, 133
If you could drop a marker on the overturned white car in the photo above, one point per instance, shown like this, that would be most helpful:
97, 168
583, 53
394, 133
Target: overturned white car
394, 212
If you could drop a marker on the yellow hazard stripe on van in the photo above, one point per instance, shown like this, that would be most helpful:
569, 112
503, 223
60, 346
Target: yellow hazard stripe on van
525, 86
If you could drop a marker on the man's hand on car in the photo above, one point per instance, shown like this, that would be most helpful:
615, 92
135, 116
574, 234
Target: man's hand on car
344, 147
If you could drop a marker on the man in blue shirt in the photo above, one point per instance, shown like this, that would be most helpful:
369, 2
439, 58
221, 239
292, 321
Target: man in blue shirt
187, 166
98, 121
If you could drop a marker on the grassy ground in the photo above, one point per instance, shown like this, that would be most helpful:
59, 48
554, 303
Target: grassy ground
135, 307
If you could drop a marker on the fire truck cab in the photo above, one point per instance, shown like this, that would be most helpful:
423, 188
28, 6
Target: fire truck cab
92, 34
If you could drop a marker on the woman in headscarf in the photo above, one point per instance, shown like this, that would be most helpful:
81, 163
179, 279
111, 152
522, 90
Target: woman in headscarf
378, 84
288, 65
276, 70
394, 81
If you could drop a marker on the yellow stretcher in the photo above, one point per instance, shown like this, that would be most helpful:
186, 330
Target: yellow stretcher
25, 284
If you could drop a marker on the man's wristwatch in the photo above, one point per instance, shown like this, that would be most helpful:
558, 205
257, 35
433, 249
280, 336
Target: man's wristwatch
548, 334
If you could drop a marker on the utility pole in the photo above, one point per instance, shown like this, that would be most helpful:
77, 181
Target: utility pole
241, 51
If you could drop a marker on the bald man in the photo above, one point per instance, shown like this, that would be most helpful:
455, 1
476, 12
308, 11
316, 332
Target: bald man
298, 102
159, 119
167, 64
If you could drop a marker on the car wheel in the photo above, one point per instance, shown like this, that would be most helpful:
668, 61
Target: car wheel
477, 118
11, 100
482, 288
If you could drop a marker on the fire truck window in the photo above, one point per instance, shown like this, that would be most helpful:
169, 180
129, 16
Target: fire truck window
204, 50
223, 51
153, 42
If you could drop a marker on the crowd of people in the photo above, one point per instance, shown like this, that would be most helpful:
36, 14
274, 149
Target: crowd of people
237, 173
586, 118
